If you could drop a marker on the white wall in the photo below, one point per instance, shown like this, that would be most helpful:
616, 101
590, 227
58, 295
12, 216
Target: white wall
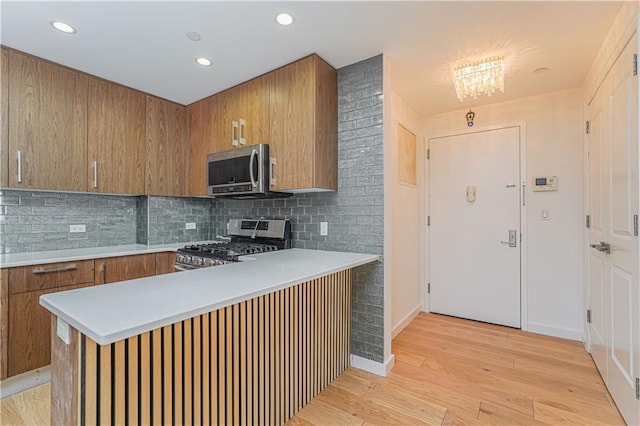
406, 214
554, 146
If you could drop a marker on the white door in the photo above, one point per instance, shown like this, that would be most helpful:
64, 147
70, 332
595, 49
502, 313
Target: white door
474, 203
614, 259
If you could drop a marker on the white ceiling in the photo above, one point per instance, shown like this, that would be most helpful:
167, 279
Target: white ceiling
144, 45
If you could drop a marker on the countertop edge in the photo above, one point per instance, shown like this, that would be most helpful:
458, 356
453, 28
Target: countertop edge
133, 331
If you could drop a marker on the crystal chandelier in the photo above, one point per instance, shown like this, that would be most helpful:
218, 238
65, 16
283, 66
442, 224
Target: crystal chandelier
483, 76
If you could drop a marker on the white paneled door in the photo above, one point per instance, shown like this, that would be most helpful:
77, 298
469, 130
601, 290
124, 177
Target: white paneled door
474, 190
613, 235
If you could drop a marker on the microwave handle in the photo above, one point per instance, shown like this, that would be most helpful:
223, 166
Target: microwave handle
254, 154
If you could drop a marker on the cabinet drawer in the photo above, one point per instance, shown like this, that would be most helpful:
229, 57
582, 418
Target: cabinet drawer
52, 275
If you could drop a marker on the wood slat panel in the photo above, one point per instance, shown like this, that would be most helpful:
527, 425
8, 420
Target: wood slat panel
197, 371
119, 383
254, 363
132, 384
187, 360
145, 379
91, 382
206, 372
105, 385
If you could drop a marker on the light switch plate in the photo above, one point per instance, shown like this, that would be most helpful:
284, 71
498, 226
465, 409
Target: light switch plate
190, 225
324, 228
77, 228
63, 332
544, 214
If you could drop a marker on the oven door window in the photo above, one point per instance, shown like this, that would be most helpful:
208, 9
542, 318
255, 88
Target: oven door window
231, 171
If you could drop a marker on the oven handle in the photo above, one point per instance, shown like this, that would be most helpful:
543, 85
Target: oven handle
183, 268
254, 154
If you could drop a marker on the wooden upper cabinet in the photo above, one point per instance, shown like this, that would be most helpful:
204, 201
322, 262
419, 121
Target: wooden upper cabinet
116, 132
47, 125
253, 110
4, 117
166, 147
304, 125
200, 144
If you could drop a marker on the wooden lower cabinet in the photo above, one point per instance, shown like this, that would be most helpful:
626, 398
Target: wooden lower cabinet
29, 330
122, 268
165, 263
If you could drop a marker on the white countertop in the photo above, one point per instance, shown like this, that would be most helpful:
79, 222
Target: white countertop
69, 255
111, 312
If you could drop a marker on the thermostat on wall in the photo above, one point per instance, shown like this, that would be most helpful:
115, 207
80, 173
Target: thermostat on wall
546, 183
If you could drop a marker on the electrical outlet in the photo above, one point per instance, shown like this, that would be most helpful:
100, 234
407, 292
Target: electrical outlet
190, 225
77, 228
324, 228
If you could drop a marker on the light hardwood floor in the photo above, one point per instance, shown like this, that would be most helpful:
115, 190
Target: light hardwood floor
448, 371
451, 371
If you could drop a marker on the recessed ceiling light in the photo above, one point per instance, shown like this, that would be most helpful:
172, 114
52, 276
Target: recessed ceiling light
62, 27
205, 62
540, 70
284, 19
193, 36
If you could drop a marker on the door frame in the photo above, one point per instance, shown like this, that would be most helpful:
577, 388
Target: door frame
524, 188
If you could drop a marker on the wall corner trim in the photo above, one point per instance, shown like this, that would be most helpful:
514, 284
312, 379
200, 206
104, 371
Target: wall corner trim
377, 368
397, 329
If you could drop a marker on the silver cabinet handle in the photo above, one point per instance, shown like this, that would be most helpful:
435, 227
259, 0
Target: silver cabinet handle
602, 247
42, 270
241, 125
234, 133
254, 155
95, 174
19, 158
272, 171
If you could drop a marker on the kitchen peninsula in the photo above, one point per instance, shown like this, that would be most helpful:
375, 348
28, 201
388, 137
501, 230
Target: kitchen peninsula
244, 343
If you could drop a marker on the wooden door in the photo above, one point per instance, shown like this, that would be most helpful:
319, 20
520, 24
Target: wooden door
30, 330
165, 148
47, 125
116, 145
4, 117
254, 110
165, 262
292, 120
201, 125
113, 269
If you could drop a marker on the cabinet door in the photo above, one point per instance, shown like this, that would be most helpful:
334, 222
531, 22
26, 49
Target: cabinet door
200, 144
116, 138
253, 109
29, 345
4, 117
292, 121
165, 263
165, 148
113, 269
47, 125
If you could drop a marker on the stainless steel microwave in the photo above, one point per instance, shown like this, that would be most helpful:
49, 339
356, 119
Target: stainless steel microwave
241, 172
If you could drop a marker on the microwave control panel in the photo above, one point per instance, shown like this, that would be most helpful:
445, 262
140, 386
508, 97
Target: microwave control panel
545, 184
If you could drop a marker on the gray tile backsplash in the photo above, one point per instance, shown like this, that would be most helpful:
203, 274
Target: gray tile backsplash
35, 220
31, 221
169, 215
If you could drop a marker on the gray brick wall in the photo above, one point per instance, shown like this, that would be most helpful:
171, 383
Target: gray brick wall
34, 220
355, 212
168, 216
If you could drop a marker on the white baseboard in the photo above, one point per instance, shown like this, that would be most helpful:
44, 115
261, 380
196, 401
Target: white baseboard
406, 320
377, 368
24, 381
549, 330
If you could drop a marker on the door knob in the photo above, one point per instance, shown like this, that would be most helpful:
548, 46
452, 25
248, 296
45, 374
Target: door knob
602, 246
